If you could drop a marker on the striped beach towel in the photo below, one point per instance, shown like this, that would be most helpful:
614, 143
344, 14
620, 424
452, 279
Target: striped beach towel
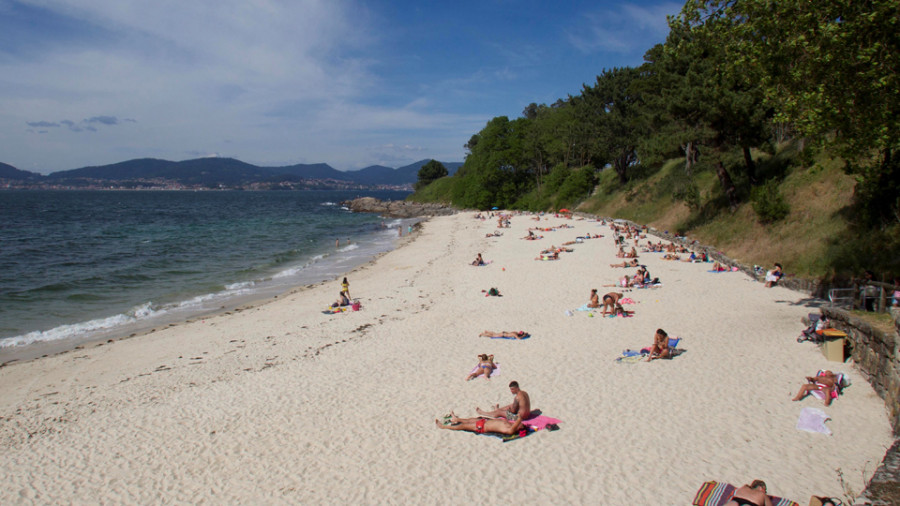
713, 493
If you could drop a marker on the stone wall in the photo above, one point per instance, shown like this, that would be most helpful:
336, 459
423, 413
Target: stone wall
876, 354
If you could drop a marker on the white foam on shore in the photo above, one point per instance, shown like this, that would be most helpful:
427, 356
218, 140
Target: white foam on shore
319, 267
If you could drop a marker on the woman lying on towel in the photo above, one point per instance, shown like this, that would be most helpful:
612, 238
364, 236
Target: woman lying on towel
632, 263
753, 494
485, 367
520, 334
826, 382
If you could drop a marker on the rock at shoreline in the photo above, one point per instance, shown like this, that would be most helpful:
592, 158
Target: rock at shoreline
397, 208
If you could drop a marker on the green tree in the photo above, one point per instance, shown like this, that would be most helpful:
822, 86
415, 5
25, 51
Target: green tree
429, 172
829, 68
611, 107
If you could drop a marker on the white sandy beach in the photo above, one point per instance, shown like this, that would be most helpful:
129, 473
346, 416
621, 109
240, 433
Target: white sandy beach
279, 403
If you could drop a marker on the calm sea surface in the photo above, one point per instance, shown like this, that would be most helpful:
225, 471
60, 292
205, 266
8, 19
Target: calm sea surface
81, 265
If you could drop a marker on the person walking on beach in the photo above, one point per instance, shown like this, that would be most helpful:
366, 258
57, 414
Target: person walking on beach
518, 410
345, 287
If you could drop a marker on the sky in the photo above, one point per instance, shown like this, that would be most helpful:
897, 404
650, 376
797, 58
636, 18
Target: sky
281, 82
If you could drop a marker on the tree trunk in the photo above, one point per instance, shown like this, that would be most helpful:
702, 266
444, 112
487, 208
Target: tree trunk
727, 186
621, 165
751, 165
691, 155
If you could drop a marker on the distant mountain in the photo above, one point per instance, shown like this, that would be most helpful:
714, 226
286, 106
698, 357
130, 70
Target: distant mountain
10, 172
310, 171
230, 172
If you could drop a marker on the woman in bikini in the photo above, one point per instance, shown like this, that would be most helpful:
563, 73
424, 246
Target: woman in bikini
825, 382
485, 367
520, 334
595, 299
660, 348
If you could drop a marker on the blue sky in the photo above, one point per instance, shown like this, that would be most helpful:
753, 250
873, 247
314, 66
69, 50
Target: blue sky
278, 82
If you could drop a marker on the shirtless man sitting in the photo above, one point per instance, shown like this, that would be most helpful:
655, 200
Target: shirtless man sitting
515, 412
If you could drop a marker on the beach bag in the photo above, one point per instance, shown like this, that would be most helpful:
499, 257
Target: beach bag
355, 306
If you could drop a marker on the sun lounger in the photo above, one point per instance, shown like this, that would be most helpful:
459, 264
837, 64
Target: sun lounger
714, 493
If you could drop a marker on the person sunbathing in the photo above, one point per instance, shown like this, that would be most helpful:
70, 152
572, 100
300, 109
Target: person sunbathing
670, 256
620, 311
753, 494
518, 410
485, 367
519, 334
595, 299
478, 260
631, 254
660, 348
719, 267
826, 382
632, 263
621, 253
609, 302
482, 425
774, 275
342, 300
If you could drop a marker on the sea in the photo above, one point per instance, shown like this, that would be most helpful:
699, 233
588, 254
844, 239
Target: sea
82, 266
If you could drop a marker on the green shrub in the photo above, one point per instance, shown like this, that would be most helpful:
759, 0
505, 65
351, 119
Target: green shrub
768, 202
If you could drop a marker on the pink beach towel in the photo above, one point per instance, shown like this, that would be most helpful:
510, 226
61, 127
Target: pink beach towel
540, 422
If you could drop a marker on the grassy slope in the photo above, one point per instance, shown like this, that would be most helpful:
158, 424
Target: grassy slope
802, 242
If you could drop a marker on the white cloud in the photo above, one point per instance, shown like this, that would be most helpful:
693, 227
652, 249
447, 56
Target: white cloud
622, 30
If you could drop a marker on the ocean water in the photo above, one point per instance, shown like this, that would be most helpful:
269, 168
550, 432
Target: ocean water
85, 265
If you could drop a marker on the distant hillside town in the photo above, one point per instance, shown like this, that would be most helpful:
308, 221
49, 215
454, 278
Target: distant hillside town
215, 174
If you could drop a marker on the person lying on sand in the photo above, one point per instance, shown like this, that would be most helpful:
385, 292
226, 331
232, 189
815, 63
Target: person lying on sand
660, 348
753, 494
609, 302
485, 367
825, 382
516, 411
620, 311
669, 256
632, 263
481, 425
519, 334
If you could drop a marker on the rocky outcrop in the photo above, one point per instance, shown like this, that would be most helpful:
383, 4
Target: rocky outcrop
397, 208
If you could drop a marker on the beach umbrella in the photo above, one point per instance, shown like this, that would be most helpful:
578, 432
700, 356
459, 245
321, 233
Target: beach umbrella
494, 208
563, 210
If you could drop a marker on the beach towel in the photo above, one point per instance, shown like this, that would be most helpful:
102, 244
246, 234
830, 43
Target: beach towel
627, 300
495, 372
813, 420
714, 493
585, 308
540, 422
335, 310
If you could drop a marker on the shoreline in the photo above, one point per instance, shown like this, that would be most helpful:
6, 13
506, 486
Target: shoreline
37, 351
279, 403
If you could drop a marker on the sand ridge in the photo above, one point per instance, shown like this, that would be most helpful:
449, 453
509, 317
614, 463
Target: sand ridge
283, 404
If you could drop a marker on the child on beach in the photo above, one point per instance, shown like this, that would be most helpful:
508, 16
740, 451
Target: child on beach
485, 367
